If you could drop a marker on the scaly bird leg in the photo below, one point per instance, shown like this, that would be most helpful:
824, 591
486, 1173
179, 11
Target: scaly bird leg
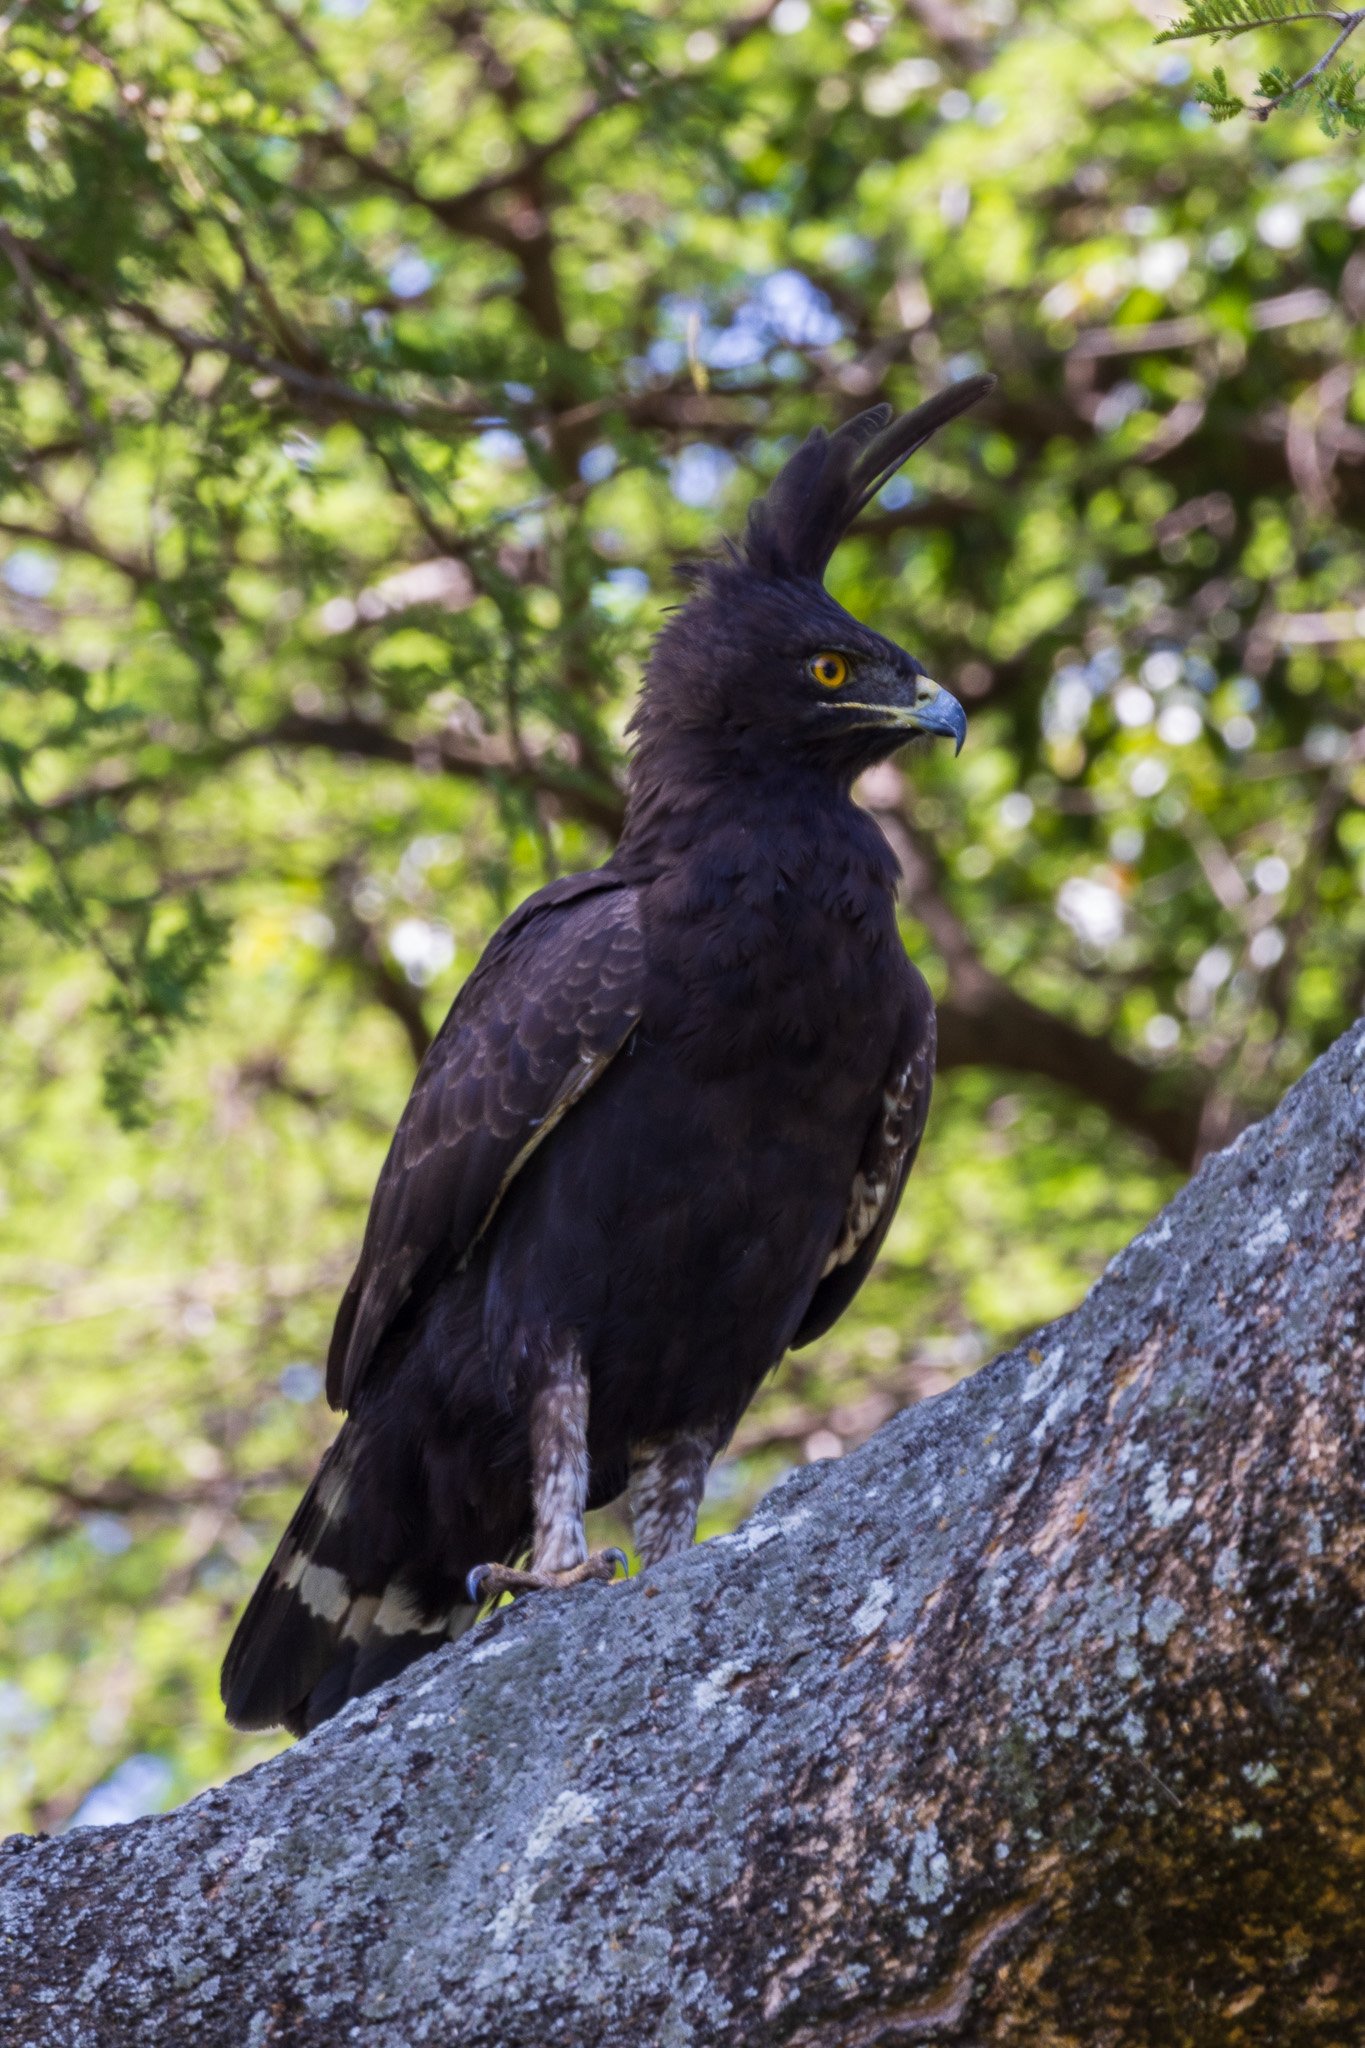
559, 1495
667, 1480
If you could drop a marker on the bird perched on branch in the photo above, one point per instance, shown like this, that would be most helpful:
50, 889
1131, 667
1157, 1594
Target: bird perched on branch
657, 1141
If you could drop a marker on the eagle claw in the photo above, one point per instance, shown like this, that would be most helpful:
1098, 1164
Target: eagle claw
489, 1581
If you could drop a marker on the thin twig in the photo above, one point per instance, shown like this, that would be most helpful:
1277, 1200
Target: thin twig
1350, 23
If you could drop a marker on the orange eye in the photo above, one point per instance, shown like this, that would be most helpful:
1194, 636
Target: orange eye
829, 669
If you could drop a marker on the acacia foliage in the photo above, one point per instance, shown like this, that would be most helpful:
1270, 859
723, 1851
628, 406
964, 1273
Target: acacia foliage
367, 367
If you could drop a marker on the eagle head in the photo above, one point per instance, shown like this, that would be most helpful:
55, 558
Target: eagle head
761, 664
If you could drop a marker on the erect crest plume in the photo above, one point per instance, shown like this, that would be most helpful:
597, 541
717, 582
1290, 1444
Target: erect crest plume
817, 495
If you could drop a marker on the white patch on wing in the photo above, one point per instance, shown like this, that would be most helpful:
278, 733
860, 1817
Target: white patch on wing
331, 1488
398, 1615
868, 1196
324, 1592
363, 1611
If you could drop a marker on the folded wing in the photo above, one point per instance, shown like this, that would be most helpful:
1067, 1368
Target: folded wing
554, 998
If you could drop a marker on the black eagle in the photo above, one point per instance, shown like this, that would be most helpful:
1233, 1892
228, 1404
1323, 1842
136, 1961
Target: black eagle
657, 1141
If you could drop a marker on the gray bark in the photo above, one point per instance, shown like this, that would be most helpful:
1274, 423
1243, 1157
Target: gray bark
1038, 1720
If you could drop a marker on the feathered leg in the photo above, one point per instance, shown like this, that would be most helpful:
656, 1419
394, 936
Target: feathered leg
559, 1494
667, 1481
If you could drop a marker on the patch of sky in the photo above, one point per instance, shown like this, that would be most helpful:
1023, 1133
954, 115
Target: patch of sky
1121, 399
1280, 225
28, 573
621, 592
301, 449
734, 348
1066, 703
106, 1534
788, 365
520, 394
1093, 910
1161, 669
410, 275
422, 949
1149, 777
1179, 724
898, 493
665, 355
139, 1785
598, 463
700, 473
785, 309
501, 445
887, 92
1163, 263
300, 1382
846, 251
1324, 743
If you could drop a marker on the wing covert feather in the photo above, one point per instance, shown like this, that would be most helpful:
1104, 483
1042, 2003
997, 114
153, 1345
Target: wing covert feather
888, 1155
553, 999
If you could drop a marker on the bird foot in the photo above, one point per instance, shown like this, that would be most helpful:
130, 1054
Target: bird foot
489, 1581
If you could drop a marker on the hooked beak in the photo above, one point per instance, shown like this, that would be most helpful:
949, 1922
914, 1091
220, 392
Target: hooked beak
932, 710
935, 710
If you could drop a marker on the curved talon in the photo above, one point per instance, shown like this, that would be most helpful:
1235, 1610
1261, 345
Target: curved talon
491, 1581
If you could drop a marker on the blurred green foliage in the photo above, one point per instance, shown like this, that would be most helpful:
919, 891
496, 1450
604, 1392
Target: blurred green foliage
364, 368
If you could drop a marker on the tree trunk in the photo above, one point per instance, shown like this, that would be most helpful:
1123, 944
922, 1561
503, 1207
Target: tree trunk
1037, 1720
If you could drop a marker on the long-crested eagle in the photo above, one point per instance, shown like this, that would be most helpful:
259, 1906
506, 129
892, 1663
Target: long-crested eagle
657, 1141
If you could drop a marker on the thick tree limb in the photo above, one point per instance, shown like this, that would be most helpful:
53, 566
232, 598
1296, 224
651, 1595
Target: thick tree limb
1036, 1720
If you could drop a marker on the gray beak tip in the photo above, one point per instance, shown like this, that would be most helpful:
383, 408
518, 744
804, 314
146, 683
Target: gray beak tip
943, 715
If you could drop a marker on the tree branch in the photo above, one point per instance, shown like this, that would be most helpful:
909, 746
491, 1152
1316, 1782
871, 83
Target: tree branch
1263, 110
448, 751
1035, 1719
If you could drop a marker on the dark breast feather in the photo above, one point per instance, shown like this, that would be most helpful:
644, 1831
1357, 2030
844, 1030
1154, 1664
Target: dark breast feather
554, 998
888, 1155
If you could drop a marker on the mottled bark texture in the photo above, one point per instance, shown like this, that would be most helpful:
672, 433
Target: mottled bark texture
1038, 1720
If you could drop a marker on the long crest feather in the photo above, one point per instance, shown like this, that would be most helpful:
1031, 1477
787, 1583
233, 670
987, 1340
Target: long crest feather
817, 495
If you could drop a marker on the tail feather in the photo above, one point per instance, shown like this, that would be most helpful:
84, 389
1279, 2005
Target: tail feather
314, 1634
